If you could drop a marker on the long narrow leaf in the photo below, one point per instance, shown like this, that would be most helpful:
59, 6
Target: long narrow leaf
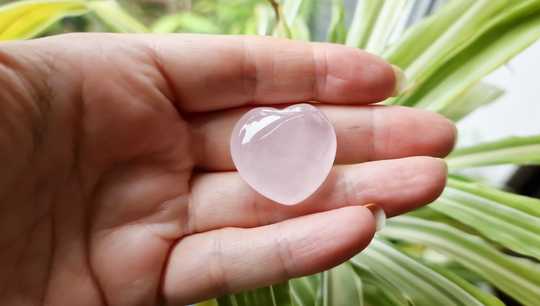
227, 300
421, 285
264, 19
26, 19
480, 295
208, 303
422, 35
291, 8
304, 290
528, 205
477, 96
364, 19
466, 18
185, 22
281, 294
505, 36
387, 20
341, 287
114, 16
513, 150
337, 32
509, 227
519, 278
276, 295
378, 292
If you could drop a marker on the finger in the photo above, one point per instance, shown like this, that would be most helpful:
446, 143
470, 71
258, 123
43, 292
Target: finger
363, 133
219, 72
205, 72
397, 186
230, 260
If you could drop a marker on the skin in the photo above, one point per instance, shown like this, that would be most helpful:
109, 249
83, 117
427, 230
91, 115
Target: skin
117, 186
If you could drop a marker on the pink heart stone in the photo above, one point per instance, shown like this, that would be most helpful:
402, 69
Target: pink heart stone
285, 155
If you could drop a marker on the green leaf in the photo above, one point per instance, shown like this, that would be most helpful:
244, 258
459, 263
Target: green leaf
281, 28
472, 15
114, 16
208, 303
502, 38
227, 300
300, 30
417, 282
519, 278
276, 295
528, 205
377, 292
509, 227
364, 19
337, 32
480, 295
304, 290
422, 36
291, 8
387, 19
185, 22
26, 19
475, 97
513, 150
281, 294
264, 19
306, 9
340, 287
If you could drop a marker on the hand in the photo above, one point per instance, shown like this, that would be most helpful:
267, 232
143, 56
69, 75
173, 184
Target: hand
117, 187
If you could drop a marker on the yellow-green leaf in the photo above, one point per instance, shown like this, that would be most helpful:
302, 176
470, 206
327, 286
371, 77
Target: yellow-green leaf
513, 150
517, 277
116, 17
475, 97
26, 19
185, 22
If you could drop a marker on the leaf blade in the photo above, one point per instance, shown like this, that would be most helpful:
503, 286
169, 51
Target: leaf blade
477, 96
512, 150
26, 19
114, 16
519, 278
364, 19
498, 41
511, 228
337, 32
417, 282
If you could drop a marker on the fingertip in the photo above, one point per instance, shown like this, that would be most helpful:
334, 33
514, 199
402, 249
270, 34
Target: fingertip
447, 133
400, 81
438, 135
353, 76
432, 174
379, 215
362, 226
346, 232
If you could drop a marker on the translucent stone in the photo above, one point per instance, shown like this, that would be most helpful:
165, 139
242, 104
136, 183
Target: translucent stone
285, 155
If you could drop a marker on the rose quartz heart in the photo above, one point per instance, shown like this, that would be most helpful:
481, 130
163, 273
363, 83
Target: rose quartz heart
286, 154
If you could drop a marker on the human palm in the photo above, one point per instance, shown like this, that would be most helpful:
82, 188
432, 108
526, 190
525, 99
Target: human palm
117, 187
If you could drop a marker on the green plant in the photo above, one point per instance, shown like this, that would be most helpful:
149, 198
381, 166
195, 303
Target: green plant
439, 255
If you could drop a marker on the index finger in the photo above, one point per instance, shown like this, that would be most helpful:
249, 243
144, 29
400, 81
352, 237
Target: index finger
218, 72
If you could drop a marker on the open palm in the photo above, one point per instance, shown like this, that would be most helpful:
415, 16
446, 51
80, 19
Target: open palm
117, 187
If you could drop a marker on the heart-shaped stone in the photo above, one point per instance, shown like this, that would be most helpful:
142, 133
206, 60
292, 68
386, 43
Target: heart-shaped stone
285, 155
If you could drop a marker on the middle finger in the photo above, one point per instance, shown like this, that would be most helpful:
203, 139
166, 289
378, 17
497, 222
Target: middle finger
364, 133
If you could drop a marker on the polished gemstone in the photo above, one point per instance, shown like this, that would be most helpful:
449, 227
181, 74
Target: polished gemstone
285, 155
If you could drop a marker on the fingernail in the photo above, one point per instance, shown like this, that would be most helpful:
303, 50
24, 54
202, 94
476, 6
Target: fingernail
401, 81
378, 214
444, 163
